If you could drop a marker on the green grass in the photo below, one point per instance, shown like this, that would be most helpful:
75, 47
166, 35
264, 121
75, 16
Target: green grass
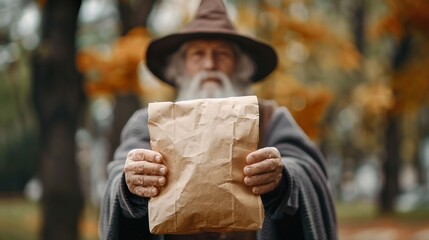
20, 220
362, 211
356, 211
419, 214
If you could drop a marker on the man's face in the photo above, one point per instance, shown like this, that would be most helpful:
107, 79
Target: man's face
209, 65
209, 55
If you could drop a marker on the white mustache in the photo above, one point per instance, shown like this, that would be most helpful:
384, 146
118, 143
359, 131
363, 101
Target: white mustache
205, 75
192, 88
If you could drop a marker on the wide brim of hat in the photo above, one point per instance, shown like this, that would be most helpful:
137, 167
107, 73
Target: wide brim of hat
159, 51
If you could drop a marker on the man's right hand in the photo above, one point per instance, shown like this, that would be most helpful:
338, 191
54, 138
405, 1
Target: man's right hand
145, 172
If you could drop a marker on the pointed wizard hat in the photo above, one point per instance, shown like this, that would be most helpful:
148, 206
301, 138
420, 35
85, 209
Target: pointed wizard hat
211, 21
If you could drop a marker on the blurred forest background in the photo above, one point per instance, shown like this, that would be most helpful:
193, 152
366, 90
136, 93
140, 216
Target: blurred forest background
354, 73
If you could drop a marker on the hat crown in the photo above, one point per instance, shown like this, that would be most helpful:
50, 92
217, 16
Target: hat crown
211, 16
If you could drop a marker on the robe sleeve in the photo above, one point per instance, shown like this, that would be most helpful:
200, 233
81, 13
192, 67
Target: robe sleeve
123, 213
304, 188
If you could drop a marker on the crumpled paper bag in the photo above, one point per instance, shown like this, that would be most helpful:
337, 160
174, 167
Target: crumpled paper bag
204, 144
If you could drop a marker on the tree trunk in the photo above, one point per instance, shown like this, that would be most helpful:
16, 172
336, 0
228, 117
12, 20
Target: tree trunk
124, 107
127, 104
358, 25
134, 16
58, 98
421, 163
391, 165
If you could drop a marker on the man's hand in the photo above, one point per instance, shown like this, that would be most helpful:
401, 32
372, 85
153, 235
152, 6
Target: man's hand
264, 170
144, 172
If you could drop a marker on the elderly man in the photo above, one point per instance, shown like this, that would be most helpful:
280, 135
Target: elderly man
209, 59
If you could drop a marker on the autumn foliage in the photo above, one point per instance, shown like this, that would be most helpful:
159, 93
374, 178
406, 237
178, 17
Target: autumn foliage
308, 45
297, 43
302, 41
115, 72
408, 21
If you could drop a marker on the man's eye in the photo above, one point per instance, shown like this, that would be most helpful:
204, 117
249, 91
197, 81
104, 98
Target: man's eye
224, 54
198, 53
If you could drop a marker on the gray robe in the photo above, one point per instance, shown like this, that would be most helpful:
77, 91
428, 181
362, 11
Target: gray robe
301, 207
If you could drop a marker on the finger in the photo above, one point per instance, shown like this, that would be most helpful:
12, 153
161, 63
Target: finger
144, 155
262, 179
146, 168
145, 191
269, 165
146, 180
262, 189
262, 154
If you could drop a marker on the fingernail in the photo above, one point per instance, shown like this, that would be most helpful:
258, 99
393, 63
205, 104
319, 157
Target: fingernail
246, 181
161, 181
247, 171
162, 170
249, 159
158, 158
154, 191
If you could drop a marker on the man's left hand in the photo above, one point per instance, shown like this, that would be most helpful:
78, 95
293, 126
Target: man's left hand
264, 170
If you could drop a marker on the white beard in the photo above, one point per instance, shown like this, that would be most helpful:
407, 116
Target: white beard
205, 84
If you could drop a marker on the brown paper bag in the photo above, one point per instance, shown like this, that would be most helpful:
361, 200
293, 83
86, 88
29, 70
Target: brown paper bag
205, 143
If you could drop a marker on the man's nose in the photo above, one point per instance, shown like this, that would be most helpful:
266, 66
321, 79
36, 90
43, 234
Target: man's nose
209, 62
